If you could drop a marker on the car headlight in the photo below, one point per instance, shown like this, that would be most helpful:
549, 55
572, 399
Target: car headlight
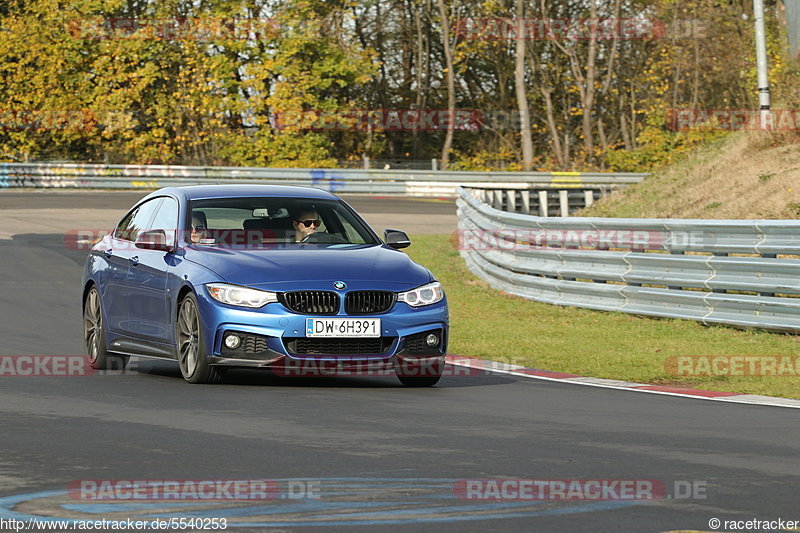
425, 295
240, 296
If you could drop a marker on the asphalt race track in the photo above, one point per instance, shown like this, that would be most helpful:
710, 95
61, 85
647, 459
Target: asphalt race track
349, 453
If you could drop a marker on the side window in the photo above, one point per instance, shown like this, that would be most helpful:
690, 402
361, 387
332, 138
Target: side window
137, 220
122, 230
167, 219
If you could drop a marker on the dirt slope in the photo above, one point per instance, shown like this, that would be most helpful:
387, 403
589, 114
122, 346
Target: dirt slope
744, 176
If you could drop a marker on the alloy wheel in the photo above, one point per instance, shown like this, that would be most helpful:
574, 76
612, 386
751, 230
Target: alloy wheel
92, 325
188, 337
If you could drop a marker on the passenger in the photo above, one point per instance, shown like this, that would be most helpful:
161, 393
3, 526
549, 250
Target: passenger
305, 223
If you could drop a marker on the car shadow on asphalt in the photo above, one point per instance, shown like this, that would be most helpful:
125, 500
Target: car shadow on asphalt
264, 377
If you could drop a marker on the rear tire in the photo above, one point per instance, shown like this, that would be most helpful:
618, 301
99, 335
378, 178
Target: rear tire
192, 357
94, 336
413, 374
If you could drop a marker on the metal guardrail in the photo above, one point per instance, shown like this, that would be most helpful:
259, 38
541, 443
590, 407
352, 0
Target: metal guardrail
361, 181
656, 267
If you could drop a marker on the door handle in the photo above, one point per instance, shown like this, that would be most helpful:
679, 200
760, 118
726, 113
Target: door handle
134, 260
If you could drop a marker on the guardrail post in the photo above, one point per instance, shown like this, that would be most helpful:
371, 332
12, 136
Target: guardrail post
563, 200
543, 207
511, 201
588, 197
434, 164
526, 201
498, 199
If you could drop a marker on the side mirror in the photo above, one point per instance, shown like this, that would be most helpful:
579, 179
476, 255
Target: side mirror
155, 239
396, 239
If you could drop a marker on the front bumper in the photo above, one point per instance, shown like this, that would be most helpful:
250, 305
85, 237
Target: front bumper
273, 333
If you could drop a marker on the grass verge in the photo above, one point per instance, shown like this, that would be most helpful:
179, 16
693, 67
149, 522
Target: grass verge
488, 324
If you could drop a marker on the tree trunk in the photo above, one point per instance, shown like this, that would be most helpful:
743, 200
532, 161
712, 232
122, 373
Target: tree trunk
587, 96
422, 54
551, 125
522, 97
626, 135
451, 86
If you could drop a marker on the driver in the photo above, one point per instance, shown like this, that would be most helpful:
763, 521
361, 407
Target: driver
199, 230
305, 223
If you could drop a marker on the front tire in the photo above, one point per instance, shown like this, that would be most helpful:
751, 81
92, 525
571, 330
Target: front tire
192, 357
94, 336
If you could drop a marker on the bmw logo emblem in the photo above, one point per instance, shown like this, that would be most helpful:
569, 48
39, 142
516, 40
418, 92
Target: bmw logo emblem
339, 285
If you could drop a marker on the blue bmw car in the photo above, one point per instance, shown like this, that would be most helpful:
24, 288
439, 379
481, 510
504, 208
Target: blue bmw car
258, 276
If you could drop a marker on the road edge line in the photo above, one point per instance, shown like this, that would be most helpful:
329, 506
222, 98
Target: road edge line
699, 394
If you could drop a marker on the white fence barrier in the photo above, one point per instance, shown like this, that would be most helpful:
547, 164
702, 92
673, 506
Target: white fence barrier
576, 188
657, 267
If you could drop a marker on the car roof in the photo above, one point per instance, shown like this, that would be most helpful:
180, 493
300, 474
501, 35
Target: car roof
195, 192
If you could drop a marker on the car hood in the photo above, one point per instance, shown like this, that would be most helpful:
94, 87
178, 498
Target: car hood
312, 267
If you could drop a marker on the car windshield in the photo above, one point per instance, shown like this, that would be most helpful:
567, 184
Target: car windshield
255, 221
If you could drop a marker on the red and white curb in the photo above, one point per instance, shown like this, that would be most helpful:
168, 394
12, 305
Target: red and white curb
534, 373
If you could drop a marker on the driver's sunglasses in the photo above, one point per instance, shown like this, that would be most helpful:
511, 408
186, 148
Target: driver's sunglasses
199, 227
307, 223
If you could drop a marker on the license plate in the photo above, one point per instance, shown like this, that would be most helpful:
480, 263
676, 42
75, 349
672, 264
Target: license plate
343, 327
